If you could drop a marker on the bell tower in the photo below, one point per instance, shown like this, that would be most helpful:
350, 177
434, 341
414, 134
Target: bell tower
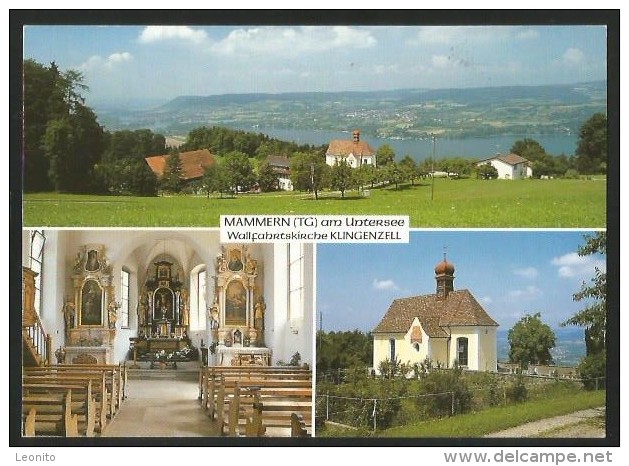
444, 274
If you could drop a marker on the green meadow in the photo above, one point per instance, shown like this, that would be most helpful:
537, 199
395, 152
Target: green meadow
461, 203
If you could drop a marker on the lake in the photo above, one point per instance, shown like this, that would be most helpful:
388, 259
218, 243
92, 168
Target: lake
479, 148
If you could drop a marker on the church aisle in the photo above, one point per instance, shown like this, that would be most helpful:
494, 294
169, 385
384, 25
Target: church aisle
160, 408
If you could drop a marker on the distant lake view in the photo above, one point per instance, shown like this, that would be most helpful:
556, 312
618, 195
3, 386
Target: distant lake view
568, 351
419, 150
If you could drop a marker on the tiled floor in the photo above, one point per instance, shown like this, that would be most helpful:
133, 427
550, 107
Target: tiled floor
161, 407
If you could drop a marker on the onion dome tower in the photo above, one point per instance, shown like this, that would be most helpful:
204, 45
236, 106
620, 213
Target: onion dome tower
444, 274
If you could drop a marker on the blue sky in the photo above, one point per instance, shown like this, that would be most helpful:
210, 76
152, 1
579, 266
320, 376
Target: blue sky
161, 62
511, 273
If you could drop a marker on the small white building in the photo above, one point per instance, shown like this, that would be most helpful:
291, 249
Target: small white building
509, 166
445, 327
281, 167
355, 152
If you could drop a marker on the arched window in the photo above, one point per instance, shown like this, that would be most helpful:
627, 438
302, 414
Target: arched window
124, 298
461, 351
295, 281
392, 349
198, 283
416, 346
36, 264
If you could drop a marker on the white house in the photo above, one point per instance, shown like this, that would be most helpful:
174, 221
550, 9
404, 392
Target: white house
509, 166
445, 327
355, 152
281, 167
96, 289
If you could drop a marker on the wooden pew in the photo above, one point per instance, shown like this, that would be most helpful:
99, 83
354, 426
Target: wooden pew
98, 390
247, 373
115, 376
234, 402
50, 413
286, 413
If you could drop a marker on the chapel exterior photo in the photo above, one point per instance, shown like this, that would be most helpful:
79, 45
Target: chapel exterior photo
447, 327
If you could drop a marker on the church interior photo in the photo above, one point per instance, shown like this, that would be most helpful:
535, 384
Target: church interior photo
149, 310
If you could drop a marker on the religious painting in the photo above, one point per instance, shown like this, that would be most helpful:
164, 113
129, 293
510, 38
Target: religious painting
235, 261
91, 303
92, 264
235, 304
163, 304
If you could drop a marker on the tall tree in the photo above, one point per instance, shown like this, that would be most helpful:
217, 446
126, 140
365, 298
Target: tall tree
409, 169
342, 177
309, 172
171, 178
528, 148
594, 316
62, 138
267, 178
591, 153
239, 170
530, 341
385, 155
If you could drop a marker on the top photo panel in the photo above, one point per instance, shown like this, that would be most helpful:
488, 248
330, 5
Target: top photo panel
454, 126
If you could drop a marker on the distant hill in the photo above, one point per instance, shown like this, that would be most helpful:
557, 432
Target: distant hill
399, 114
560, 93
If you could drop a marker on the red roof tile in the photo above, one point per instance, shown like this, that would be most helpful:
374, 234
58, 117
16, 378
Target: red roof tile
511, 159
343, 147
435, 314
193, 163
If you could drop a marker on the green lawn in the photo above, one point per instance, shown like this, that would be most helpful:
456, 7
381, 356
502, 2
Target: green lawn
457, 203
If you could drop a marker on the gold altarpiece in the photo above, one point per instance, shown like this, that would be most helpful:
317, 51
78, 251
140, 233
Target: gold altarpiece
237, 314
90, 316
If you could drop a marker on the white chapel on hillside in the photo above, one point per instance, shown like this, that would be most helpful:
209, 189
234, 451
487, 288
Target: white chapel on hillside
446, 327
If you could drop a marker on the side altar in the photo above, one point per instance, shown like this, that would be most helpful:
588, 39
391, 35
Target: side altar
236, 318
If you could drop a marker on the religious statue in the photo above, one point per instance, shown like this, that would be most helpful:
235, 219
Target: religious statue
142, 309
113, 314
183, 306
78, 260
213, 315
251, 266
259, 309
221, 263
69, 311
60, 354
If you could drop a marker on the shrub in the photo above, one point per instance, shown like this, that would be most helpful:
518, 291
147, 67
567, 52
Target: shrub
571, 174
449, 384
516, 391
591, 368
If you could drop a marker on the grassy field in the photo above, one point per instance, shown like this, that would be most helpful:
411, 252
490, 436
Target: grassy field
457, 203
475, 425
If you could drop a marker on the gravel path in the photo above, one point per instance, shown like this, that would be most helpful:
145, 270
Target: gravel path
567, 426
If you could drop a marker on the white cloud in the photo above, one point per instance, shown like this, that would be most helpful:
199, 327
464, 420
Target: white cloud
388, 285
119, 58
183, 33
527, 34
572, 265
440, 61
465, 35
96, 61
292, 41
526, 272
526, 294
486, 300
573, 56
